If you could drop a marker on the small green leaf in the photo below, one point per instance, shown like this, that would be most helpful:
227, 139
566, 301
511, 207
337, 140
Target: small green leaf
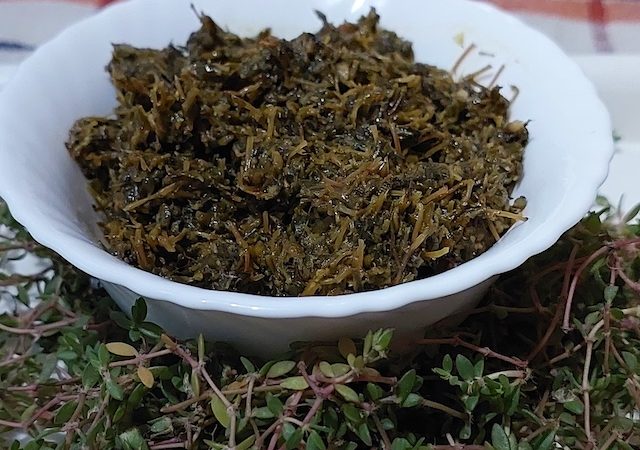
67, 355
478, 368
464, 367
34, 445
64, 413
465, 432
617, 313
340, 369
368, 343
387, 424
274, 404
287, 430
48, 366
26, 414
347, 393
445, 375
374, 391
248, 365
631, 214
610, 293
346, 347
134, 399
150, 330
119, 413
294, 383
545, 442
103, 355
470, 402
280, 368
351, 413
263, 413
114, 389
293, 441
194, 380
499, 438
134, 334
401, 444
139, 310
364, 434
567, 418
412, 400
326, 369
514, 402
247, 443
220, 411
265, 368
133, 440
574, 406
405, 385
23, 295
52, 286
631, 360
314, 442
161, 425
381, 343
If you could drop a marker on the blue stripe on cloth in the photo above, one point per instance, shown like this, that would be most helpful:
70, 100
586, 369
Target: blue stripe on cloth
15, 46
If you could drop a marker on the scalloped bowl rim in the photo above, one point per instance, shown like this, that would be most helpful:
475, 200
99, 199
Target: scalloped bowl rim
467, 275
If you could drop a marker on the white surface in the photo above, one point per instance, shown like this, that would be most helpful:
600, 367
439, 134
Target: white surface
565, 162
616, 79
6, 72
33, 22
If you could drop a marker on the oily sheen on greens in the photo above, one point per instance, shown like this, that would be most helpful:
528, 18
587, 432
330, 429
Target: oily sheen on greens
328, 164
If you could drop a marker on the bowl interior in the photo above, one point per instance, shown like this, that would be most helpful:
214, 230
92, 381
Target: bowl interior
565, 162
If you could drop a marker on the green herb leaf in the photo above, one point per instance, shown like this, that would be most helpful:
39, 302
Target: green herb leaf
499, 438
64, 413
464, 367
314, 442
631, 360
139, 310
220, 411
405, 385
133, 440
114, 389
280, 368
248, 365
246, 444
447, 363
263, 413
347, 347
347, 393
294, 383
364, 434
351, 413
274, 404
293, 441
412, 401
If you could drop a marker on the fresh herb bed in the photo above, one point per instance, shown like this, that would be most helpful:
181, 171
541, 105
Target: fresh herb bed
549, 360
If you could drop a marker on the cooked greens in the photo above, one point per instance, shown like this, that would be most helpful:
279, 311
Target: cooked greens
328, 164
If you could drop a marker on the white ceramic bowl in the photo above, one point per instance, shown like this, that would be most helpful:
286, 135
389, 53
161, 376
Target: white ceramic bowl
565, 162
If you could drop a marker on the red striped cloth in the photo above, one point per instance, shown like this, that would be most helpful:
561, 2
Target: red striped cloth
579, 26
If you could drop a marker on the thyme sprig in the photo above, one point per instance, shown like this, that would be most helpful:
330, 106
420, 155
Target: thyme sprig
548, 360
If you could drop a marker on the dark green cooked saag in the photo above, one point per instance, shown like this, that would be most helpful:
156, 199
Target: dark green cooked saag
328, 164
